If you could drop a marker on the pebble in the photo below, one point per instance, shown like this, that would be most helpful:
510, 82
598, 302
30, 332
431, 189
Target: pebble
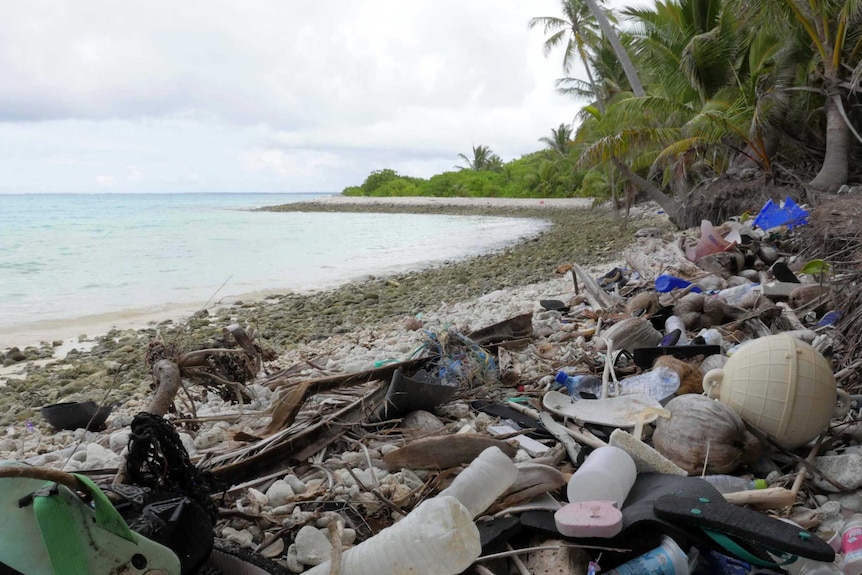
849, 501
295, 483
209, 438
845, 469
422, 421
241, 537
312, 546
292, 561
119, 440
279, 493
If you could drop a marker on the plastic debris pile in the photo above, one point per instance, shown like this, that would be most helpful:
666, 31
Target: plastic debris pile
680, 414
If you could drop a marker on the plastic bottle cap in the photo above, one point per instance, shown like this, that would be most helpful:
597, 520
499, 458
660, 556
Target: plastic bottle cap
760, 484
562, 377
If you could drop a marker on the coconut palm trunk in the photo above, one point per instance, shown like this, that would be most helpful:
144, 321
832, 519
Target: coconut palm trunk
833, 173
622, 55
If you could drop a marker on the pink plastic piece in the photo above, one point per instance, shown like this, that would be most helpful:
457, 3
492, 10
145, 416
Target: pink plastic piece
589, 519
710, 242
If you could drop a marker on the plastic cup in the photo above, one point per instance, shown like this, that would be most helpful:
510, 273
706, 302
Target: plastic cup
666, 559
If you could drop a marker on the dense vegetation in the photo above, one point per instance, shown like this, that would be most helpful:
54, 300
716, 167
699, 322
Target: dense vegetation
679, 94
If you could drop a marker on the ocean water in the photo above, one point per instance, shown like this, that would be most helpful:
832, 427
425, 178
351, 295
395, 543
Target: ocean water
65, 258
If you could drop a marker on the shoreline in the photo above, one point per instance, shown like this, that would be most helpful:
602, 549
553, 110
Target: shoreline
30, 334
289, 321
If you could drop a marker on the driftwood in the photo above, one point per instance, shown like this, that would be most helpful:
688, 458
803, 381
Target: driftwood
287, 406
281, 451
215, 367
444, 452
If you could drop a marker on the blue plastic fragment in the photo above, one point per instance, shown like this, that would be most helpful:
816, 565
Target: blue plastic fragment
773, 215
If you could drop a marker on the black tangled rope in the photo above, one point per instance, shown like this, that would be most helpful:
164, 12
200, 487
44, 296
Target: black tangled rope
158, 460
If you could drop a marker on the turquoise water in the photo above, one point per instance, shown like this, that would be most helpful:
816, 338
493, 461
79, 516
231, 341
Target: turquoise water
71, 256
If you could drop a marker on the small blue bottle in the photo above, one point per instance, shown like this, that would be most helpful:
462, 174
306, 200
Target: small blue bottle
577, 384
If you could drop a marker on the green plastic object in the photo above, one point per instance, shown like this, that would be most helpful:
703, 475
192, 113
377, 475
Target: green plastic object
47, 529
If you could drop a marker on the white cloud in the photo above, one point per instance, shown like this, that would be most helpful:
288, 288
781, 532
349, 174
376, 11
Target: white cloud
265, 95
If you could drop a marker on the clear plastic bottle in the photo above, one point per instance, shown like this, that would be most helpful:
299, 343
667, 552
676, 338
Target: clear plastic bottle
575, 384
732, 483
851, 545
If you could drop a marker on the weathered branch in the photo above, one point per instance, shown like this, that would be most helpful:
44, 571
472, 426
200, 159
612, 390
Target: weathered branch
167, 376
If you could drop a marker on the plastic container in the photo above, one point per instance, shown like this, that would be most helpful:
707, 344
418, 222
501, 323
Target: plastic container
660, 383
675, 322
781, 385
666, 559
851, 545
437, 538
483, 481
607, 475
576, 384
665, 283
732, 483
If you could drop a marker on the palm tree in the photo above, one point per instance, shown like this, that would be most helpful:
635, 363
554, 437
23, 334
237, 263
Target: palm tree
578, 30
612, 36
560, 139
483, 159
580, 34
834, 30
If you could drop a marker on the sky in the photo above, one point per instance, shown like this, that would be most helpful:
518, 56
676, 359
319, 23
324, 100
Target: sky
265, 95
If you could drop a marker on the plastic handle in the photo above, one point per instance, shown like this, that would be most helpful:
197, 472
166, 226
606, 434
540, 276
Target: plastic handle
712, 382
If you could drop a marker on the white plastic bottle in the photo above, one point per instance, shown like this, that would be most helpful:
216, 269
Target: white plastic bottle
731, 483
437, 538
607, 475
851, 545
483, 481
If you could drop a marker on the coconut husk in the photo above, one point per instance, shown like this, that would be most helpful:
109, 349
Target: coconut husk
690, 374
628, 334
647, 301
700, 311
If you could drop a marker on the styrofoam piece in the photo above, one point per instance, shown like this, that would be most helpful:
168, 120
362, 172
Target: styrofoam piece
483, 481
437, 538
622, 411
528, 444
647, 459
589, 519
778, 291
